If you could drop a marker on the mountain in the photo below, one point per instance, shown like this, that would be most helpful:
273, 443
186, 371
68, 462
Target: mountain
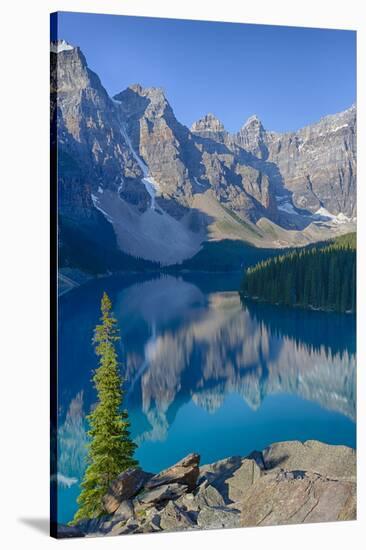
137, 187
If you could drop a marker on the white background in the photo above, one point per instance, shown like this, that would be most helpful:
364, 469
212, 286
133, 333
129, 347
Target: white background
24, 288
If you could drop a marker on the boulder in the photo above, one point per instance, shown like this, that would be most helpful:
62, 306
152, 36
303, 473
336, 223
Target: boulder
184, 472
217, 473
222, 469
207, 495
125, 511
232, 475
124, 487
242, 479
153, 519
126, 527
103, 525
218, 517
189, 503
92, 525
160, 495
173, 518
280, 498
333, 461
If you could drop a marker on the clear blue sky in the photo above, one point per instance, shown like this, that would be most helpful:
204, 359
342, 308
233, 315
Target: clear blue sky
288, 76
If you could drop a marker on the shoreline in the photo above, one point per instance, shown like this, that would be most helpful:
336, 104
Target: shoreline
285, 483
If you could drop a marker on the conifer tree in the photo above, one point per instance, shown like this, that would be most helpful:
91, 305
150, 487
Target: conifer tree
110, 450
319, 276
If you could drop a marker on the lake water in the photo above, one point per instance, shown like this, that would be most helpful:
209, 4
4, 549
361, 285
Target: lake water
204, 372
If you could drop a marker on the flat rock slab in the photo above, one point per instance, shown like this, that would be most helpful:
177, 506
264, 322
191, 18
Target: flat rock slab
218, 517
243, 478
297, 497
332, 461
185, 472
124, 487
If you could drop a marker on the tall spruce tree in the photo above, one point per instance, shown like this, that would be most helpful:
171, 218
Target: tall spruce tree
110, 450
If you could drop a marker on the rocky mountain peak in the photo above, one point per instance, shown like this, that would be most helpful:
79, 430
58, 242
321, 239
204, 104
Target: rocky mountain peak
137, 88
253, 121
60, 46
208, 123
139, 101
153, 93
132, 153
252, 137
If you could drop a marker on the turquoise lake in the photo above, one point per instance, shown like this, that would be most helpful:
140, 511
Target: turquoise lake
204, 372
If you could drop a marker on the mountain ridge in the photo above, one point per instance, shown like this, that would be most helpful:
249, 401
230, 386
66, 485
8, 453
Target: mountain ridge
166, 189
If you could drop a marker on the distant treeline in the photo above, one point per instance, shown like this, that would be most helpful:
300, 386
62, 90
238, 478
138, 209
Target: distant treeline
320, 277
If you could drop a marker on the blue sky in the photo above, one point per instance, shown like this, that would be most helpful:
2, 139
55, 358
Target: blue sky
288, 76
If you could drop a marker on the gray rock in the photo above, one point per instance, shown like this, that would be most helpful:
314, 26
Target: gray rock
124, 487
333, 461
219, 471
154, 520
242, 479
104, 525
173, 518
207, 495
161, 494
125, 510
189, 503
126, 527
318, 163
218, 517
184, 472
281, 498
232, 476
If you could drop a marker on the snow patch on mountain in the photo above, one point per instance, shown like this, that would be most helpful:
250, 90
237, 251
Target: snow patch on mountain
339, 219
60, 46
198, 183
151, 185
96, 204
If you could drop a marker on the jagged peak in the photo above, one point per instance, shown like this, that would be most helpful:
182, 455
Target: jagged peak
135, 88
60, 46
154, 94
208, 123
253, 120
151, 91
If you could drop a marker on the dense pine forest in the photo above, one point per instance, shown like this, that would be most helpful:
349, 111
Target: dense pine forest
319, 277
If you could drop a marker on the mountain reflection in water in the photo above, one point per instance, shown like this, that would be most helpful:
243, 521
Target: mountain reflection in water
206, 372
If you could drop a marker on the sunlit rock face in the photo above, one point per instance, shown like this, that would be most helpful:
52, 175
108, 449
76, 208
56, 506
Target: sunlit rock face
318, 163
130, 171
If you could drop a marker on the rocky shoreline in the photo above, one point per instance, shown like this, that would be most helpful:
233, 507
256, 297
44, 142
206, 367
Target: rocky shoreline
286, 483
